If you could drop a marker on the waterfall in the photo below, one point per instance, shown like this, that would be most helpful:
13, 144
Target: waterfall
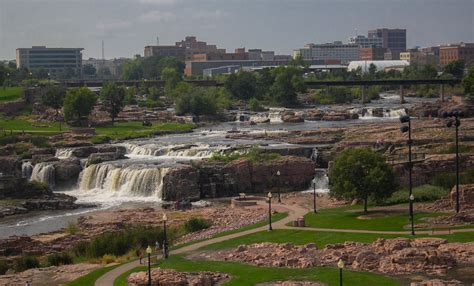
320, 182
63, 153
133, 180
44, 172
194, 151
379, 112
26, 169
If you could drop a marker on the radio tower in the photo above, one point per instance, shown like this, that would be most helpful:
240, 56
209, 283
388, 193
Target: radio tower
103, 57
157, 41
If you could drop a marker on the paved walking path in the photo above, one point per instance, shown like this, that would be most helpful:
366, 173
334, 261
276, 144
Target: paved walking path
294, 212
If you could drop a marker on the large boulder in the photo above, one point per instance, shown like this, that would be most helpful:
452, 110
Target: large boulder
466, 197
67, 172
181, 183
10, 165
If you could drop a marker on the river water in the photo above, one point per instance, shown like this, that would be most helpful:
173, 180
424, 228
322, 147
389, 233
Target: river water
137, 181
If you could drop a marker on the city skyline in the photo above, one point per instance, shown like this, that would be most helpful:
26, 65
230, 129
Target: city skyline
129, 25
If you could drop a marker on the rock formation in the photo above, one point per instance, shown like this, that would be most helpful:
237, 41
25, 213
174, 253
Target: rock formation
171, 277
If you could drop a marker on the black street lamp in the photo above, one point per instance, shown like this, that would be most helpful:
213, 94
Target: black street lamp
412, 215
404, 129
314, 190
278, 175
456, 115
269, 195
165, 242
340, 265
148, 251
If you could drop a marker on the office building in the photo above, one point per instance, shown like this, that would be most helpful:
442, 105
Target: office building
258, 54
330, 51
366, 42
55, 60
166, 51
419, 57
454, 52
372, 54
193, 47
393, 39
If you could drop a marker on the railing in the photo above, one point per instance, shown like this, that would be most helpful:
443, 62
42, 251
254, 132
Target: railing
403, 158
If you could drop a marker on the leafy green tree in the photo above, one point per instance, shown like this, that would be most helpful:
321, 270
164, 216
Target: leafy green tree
40, 73
171, 62
298, 61
68, 73
112, 97
78, 103
468, 83
288, 81
171, 78
360, 173
242, 85
131, 70
195, 101
53, 96
104, 72
255, 105
89, 70
372, 70
456, 68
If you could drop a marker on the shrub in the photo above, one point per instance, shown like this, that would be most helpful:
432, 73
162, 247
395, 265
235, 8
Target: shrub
57, 259
25, 262
196, 224
448, 180
37, 186
3, 267
255, 105
40, 141
101, 139
425, 193
72, 228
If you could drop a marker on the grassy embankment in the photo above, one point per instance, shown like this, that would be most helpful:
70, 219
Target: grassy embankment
8, 94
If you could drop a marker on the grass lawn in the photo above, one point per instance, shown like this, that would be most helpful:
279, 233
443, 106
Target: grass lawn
89, 279
243, 275
134, 129
9, 94
321, 239
347, 218
20, 124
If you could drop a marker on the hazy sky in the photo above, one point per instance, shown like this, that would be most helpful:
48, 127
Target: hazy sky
126, 26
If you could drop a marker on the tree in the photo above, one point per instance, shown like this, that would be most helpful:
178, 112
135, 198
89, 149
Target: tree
456, 68
298, 61
360, 173
195, 101
171, 78
171, 62
104, 72
112, 97
89, 70
53, 96
131, 70
468, 83
78, 103
40, 73
288, 81
372, 70
68, 73
242, 85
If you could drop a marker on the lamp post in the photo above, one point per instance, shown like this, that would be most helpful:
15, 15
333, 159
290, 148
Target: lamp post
404, 129
165, 242
456, 115
278, 175
340, 265
148, 251
314, 190
269, 195
412, 216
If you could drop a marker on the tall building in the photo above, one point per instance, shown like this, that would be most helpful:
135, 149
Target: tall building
419, 57
330, 51
366, 42
258, 54
372, 54
193, 47
393, 39
454, 52
55, 60
166, 51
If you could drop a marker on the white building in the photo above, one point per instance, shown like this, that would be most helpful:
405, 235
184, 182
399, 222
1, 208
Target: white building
365, 42
380, 65
336, 51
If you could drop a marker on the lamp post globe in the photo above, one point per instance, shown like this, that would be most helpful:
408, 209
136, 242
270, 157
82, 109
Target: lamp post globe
340, 265
269, 196
148, 252
314, 190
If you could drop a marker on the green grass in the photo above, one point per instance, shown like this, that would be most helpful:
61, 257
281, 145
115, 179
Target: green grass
242, 274
347, 218
20, 124
89, 279
321, 239
9, 94
134, 129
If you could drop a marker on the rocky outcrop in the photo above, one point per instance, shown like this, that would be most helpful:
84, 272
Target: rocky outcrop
437, 282
392, 256
67, 172
466, 197
339, 116
171, 277
10, 165
212, 179
86, 151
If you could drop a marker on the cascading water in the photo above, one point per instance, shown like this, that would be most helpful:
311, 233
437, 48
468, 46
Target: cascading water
63, 153
26, 169
130, 181
320, 182
44, 172
193, 151
379, 112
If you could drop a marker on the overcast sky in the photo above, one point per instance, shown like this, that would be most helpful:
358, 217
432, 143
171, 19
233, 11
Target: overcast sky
126, 26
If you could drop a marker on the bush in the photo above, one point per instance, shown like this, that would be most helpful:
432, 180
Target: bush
425, 193
25, 262
3, 267
255, 105
40, 141
196, 224
101, 139
72, 228
57, 259
448, 180
37, 186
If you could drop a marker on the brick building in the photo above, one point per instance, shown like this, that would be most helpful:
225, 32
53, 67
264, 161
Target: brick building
372, 54
454, 52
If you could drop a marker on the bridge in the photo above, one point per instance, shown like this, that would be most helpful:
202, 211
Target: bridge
402, 83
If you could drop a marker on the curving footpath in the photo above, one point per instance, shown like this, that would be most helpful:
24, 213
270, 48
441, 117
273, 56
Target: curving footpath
294, 212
